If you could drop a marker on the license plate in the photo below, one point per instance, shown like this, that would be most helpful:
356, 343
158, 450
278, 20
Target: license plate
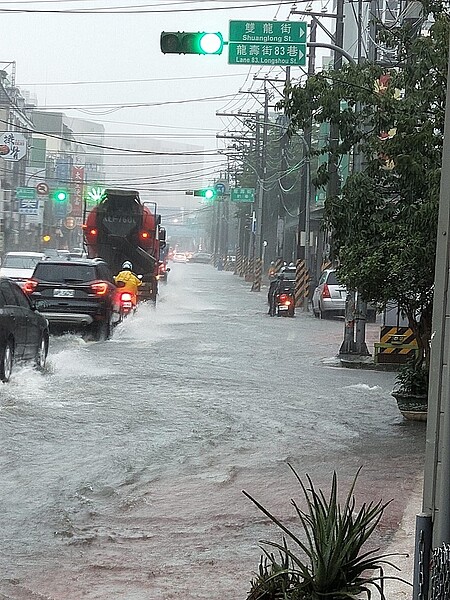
63, 293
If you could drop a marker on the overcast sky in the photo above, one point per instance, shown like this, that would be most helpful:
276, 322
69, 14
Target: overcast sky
66, 48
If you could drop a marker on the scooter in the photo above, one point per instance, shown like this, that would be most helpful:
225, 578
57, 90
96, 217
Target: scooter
285, 303
127, 301
127, 304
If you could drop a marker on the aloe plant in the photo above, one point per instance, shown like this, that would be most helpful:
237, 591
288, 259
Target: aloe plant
331, 563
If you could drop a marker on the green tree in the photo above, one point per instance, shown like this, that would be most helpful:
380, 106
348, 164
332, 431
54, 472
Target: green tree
384, 220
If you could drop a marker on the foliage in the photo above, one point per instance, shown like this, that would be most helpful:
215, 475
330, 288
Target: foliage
412, 379
332, 562
384, 219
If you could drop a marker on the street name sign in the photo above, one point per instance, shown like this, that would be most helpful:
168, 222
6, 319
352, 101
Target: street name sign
242, 195
25, 192
267, 43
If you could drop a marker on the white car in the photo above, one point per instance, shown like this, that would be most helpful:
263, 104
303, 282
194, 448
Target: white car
179, 258
329, 296
19, 266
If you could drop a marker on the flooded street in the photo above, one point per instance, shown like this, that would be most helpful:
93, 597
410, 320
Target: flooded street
123, 466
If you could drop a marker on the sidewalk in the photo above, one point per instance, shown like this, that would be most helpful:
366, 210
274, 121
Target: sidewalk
403, 542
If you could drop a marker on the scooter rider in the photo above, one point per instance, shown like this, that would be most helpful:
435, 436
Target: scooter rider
129, 281
274, 289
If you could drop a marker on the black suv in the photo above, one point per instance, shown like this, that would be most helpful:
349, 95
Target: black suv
76, 294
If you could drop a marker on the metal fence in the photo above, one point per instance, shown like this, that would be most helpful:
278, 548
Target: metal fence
440, 573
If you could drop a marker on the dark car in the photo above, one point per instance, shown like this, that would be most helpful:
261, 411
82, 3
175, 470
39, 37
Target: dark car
200, 257
76, 295
23, 331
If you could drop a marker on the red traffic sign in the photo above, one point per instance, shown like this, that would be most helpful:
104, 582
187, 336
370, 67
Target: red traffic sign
42, 188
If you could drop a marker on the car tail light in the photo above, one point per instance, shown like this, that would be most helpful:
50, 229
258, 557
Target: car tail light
126, 297
326, 291
285, 299
100, 288
30, 286
145, 235
91, 232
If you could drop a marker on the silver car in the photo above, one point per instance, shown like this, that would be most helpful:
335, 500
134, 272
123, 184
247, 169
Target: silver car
19, 266
329, 296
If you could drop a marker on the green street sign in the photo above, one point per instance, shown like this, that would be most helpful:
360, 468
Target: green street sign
23, 193
267, 43
242, 195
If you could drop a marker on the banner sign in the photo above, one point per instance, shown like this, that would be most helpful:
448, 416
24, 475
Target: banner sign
13, 146
77, 194
29, 206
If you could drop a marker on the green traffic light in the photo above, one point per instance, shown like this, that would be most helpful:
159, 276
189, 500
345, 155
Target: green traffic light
211, 43
185, 42
207, 193
60, 195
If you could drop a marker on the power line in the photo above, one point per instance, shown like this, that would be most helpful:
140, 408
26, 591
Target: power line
137, 9
119, 105
108, 81
125, 150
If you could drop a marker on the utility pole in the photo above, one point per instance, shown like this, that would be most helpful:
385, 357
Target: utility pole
260, 196
307, 149
284, 145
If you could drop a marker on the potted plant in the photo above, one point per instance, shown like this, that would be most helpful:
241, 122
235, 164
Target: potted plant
328, 557
411, 391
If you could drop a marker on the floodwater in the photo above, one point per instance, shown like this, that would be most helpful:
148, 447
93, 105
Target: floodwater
122, 467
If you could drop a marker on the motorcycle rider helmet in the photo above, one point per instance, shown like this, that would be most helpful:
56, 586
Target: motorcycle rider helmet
127, 266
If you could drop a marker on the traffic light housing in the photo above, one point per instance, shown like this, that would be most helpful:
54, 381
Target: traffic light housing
184, 42
60, 196
207, 193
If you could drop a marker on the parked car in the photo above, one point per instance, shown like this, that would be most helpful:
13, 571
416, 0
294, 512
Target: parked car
76, 295
329, 296
19, 266
24, 332
200, 257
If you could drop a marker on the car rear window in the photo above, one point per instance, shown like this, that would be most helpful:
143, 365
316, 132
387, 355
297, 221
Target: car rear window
20, 262
332, 279
60, 273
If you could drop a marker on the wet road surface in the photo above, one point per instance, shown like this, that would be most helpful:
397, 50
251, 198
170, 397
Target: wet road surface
122, 467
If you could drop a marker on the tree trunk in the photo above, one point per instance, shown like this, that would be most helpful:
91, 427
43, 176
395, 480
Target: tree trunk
421, 327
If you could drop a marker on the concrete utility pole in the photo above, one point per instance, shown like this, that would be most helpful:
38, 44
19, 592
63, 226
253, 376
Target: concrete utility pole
261, 192
355, 306
436, 489
282, 195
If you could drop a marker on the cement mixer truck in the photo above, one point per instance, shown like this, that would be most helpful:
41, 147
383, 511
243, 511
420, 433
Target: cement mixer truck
121, 227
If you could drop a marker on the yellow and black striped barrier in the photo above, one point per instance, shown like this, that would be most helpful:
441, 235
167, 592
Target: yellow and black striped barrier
238, 263
301, 283
249, 274
397, 345
277, 266
256, 287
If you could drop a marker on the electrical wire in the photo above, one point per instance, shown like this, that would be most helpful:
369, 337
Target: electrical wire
110, 81
138, 10
118, 105
125, 150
